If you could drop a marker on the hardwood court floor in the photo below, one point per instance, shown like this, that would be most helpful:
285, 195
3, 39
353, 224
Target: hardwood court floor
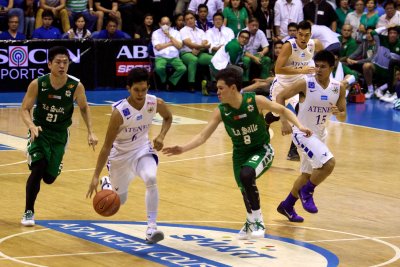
359, 203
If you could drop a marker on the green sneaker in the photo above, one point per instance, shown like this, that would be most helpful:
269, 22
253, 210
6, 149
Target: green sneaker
28, 219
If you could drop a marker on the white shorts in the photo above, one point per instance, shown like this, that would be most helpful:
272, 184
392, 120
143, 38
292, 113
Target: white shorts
124, 170
313, 151
276, 88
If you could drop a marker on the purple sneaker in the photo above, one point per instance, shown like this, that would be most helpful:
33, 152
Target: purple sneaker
290, 213
307, 201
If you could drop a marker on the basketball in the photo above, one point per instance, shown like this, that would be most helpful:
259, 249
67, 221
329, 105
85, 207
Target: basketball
106, 202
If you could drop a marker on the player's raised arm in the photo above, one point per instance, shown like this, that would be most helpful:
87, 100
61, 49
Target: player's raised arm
198, 139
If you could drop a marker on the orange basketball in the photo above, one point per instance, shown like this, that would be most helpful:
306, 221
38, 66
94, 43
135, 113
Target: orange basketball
106, 202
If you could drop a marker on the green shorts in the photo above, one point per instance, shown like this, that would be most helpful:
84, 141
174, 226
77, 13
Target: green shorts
51, 146
260, 160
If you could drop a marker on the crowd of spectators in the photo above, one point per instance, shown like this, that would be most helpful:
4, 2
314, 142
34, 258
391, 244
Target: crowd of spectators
187, 34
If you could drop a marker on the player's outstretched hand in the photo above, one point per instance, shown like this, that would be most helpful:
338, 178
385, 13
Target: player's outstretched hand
92, 187
173, 150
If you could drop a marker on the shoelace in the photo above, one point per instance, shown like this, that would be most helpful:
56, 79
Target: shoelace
259, 225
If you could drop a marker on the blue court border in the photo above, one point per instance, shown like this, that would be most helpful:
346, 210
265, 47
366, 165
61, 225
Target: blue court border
332, 259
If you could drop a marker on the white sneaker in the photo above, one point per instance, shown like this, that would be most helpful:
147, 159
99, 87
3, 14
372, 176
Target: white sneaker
258, 229
368, 95
391, 98
245, 232
28, 219
386, 96
378, 93
105, 183
153, 235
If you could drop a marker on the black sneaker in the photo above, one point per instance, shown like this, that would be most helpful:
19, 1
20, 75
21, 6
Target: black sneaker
293, 155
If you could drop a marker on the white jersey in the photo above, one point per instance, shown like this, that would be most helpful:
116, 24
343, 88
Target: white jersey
316, 110
134, 131
298, 59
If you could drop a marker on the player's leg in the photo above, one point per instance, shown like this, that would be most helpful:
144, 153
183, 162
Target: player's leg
147, 170
254, 167
275, 89
293, 154
322, 162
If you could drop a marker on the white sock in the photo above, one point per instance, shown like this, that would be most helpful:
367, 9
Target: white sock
250, 217
152, 204
257, 215
370, 88
383, 87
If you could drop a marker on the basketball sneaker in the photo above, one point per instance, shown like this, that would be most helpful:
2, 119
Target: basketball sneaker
105, 183
153, 235
307, 201
28, 219
258, 229
289, 212
245, 232
204, 90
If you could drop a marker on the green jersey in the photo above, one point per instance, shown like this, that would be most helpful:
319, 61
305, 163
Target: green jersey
54, 108
245, 126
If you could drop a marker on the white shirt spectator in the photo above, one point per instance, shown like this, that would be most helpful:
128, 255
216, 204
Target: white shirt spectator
353, 19
196, 35
287, 11
384, 22
217, 37
256, 41
213, 7
158, 37
324, 34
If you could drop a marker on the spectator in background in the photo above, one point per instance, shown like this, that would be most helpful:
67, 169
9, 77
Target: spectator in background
47, 30
12, 32
178, 22
145, 31
328, 38
320, 12
230, 54
107, 9
251, 7
265, 15
256, 52
30, 10
369, 19
235, 16
79, 30
166, 44
181, 6
353, 19
81, 6
201, 21
7, 8
111, 31
219, 35
195, 50
130, 14
213, 6
347, 43
286, 11
391, 16
341, 11
385, 62
292, 32
59, 11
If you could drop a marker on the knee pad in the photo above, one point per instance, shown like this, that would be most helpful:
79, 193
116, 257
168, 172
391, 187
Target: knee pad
247, 176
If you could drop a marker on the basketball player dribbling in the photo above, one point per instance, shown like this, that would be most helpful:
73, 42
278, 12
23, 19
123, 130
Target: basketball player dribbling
293, 63
128, 149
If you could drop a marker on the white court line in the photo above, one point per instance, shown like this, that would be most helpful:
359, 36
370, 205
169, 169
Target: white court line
14, 259
14, 163
202, 109
67, 254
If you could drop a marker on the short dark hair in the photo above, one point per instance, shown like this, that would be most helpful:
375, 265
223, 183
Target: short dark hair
304, 25
48, 13
136, 75
325, 56
244, 31
390, 2
202, 6
278, 42
230, 76
292, 24
111, 19
218, 14
57, 50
